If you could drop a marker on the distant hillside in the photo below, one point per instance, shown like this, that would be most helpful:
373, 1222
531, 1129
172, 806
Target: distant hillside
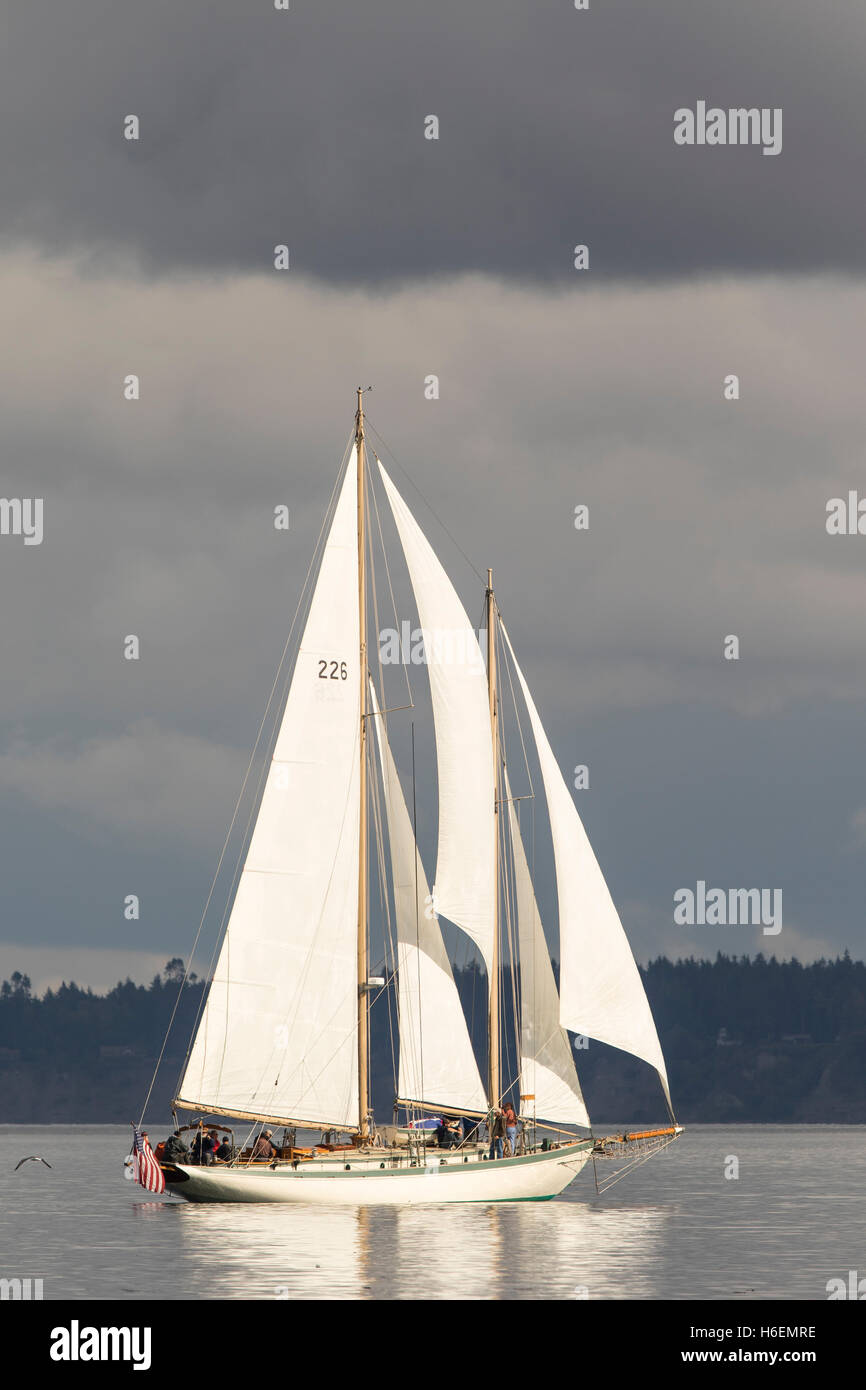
745, 1039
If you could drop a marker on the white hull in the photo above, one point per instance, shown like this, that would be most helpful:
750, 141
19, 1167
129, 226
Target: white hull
374, 1180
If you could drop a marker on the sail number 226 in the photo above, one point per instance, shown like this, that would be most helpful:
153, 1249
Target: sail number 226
338, 672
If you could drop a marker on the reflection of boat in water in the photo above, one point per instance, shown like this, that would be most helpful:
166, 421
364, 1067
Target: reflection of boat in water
459, 1252
319, 1253
284, 1035
585, 1250
564, 1250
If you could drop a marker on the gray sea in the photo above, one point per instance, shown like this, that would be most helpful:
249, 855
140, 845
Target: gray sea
676, 1228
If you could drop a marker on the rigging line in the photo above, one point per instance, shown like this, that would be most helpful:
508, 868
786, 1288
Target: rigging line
417, 920
512, 927
390, 929
509, 656
635, 1163
385, 905
234, 817
541, 962
391, 592
304, 605
379, 847
500, 832
474, 981
370, 594
561, 1129
310, 1082
250, 1144
535, 963
394, 1003
407, 1031
505, 879
512, 920
240, 861
218, 940
307, 966
417, 489
510, 901
308, 961
391, 933
406, 1034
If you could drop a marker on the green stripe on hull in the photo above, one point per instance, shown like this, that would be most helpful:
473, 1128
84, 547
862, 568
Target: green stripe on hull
500, 1201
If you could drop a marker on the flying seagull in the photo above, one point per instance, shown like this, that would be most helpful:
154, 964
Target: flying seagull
33, 1158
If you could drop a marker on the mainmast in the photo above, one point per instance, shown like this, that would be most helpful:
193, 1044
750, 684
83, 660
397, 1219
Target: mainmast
493, 1017
363, 994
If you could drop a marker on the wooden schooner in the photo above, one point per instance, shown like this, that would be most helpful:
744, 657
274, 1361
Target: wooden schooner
284, 1035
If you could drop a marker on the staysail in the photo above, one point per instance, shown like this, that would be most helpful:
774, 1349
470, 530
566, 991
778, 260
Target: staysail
278, 1037
437, 1064
547, 1071
601, 992
465, 886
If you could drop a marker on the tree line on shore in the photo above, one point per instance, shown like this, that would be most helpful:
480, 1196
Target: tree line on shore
745, 1038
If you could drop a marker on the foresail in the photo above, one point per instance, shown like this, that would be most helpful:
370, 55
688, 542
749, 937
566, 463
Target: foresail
437, 1064
279, 1032
547, 1071
465, 886
601, 992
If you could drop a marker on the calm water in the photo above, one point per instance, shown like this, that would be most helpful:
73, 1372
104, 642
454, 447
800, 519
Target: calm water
676, 1228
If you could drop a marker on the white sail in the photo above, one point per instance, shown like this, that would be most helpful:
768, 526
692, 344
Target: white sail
437, 1064
465, 886
547, 1070
279, 1033
601, 992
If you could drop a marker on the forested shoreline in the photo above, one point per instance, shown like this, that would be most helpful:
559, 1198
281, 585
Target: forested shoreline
746, 1040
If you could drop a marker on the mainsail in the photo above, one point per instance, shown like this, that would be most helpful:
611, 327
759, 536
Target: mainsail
437, 1064
465, 886
278, 1038
547, 1071
601, 992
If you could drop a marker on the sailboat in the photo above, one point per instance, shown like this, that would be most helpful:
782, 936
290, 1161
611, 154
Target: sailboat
283, 1039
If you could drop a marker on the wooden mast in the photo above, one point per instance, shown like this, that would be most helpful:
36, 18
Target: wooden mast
493, 990
363, 995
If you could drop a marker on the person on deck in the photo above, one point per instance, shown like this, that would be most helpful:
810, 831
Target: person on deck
224, 1152
446, 1134
510, 1119
175, 1149
263, 1148
497, 1134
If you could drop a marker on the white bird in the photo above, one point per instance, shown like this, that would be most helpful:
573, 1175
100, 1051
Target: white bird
33, 1158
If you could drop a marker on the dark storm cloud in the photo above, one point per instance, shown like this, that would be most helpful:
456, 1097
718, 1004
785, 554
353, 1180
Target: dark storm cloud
707, 517
306, 127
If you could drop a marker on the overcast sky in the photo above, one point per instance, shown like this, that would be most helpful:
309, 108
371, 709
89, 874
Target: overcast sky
557, 387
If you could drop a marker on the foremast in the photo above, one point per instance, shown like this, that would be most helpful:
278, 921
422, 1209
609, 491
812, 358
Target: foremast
363, 994
493, 984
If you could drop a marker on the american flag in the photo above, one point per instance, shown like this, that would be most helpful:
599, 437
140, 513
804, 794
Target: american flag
145, 1168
